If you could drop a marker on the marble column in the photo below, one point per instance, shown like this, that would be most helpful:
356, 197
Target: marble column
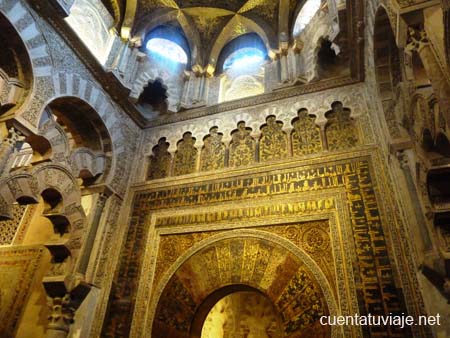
284, 68
65, 297
195, 89
60, 318
92, 234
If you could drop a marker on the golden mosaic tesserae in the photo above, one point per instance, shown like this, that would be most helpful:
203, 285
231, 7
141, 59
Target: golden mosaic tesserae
224, 169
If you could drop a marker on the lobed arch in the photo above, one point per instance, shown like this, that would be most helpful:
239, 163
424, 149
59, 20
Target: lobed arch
317, 106
87, 164
179, 271
307, 129
54, 134
312, 47
155, 74
29, 185
57, 218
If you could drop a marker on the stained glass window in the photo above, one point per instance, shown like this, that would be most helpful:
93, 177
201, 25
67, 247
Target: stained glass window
305, 15
167, 49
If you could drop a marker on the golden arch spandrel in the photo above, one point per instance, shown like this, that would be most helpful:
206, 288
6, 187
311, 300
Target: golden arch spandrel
318, 215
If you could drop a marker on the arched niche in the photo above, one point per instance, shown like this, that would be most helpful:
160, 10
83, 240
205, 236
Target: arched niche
15, 67
438, 182
241, 67
330, 61
239, 27
241, 312
198, 280
387, 68
76, 131
153, 99
177, 22
81, 123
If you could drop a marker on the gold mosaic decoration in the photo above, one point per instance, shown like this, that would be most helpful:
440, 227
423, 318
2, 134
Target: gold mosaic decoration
250, 261
213, 153
305, 137
341, 132
8, 229
18, 267
186, 156
273, 144
242, 147
377, 291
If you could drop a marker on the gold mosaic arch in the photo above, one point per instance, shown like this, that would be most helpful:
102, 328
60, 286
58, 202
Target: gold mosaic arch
188, 280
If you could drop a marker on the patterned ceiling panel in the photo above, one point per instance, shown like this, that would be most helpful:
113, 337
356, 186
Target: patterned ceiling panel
209, 22
232, 5
146, 6
267, 10
211, 17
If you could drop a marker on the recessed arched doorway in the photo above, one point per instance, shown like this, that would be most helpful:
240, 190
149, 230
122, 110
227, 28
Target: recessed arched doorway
245, 285
249, 314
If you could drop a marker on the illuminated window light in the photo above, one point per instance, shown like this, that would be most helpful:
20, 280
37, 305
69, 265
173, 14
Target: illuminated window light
167, 49
244, 59
307, 12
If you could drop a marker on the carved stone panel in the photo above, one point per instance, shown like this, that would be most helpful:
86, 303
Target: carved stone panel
341, 131
273, 142
9, 228
185, 156
242, 147
160, 160
377, 291
213, 152
17, 269
306, 135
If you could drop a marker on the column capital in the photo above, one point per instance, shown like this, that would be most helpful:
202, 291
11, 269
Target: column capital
61, 313
13, 137
417, 39
65, 297
402, 159
102, 198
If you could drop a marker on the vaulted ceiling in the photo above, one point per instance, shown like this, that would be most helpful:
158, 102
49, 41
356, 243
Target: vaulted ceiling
207, 23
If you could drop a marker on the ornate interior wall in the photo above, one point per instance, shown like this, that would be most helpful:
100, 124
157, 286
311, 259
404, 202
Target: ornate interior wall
326, 194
